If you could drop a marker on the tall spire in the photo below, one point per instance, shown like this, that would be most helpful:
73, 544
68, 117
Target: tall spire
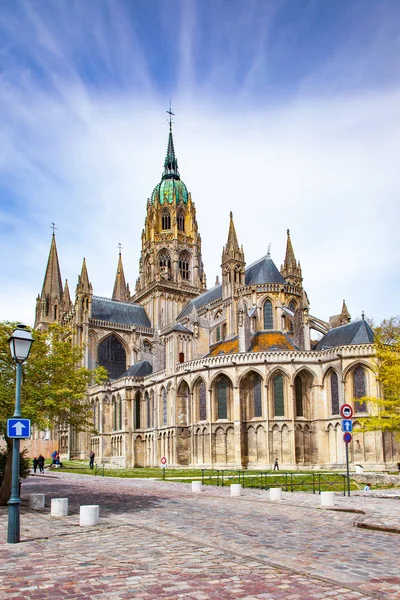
232, 243
233, 263
171, 162
52, 284
291, 269
121, 290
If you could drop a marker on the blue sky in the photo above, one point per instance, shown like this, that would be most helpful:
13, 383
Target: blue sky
287, 113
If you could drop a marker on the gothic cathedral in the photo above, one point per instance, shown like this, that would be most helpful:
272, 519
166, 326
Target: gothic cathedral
230, 376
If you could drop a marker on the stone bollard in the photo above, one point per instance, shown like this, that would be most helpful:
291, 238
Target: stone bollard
37, 501
327, 498
59, 507
275, 494
359, 470
236, 489
89, 515
197, 487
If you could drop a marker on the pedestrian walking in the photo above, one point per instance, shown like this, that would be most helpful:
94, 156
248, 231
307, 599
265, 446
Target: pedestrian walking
35, 463
54, 456
91, 459
41, 463
398, 467
276, 465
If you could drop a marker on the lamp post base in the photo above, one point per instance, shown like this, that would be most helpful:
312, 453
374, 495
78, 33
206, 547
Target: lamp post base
13, 535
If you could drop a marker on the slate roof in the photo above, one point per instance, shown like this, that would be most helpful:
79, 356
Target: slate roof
177, 327
126, 313
263, 270
358, 332
139, 369
202, 300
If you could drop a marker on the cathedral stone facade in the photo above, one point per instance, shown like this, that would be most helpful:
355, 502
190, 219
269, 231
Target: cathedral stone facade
223, 377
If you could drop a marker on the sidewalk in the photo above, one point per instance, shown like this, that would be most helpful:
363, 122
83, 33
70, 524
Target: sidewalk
158, 540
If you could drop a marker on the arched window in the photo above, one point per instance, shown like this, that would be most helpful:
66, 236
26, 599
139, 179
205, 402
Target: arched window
148, 409
359, 388
222, 393
137, 412
181, 357
119, 412
95, 407
298, 391
218, 334
184, 262
334, 393
164, 401
147, 346
165, 264
165, 220
114, 414
268, 316
181, 221
202, 401
257, 395
279, 404
111, 355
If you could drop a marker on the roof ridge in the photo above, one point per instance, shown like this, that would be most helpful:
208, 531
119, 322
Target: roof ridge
117, 301
259, 260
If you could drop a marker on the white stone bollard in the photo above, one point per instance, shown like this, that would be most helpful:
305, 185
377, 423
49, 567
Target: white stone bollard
359, 469
197, 487
327, 498
275, 494
59, 507
37, 501
89, 515
236, 489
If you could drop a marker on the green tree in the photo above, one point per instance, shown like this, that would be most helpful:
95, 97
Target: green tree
54, 385
387, 342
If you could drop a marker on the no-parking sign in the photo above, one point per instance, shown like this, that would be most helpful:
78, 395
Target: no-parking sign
163, 462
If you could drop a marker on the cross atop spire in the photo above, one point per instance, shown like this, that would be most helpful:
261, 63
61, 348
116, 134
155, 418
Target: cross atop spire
170, 163
53, 227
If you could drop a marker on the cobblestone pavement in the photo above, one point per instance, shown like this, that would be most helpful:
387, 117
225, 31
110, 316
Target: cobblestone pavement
158, 540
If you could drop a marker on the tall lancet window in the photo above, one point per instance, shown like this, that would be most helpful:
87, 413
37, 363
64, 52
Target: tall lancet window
165, 265
184, 261
268, 316
165, 220
181, 221
360, 389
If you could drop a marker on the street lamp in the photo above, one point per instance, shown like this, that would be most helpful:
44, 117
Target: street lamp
20, 343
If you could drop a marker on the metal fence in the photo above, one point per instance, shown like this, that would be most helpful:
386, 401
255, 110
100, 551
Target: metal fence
289, 482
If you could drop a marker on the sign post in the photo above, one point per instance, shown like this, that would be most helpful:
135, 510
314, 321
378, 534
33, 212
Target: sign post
163, 466
347, 426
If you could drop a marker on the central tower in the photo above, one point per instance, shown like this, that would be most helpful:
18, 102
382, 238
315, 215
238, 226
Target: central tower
170, 268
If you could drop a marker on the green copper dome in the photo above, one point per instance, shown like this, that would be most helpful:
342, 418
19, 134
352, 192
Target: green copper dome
170, 187
168, 190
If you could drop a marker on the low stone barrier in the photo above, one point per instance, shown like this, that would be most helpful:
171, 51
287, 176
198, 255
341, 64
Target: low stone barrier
236, 489
327, 498
197, 487
59, 507
89, 514
275, 494
37, 501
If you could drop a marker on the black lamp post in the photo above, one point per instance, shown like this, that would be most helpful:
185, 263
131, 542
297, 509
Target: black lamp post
20, 343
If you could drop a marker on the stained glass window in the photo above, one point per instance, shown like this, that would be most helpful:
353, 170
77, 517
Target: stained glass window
111, 355
268, 317
119, 413
278, 396
359, 388
334, 394
202, 401
222, 387
148, 409
257, 395
164, 397
298, 390
137, 412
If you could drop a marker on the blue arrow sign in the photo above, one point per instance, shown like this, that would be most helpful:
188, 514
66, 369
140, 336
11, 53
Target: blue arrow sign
18, 428
347, 425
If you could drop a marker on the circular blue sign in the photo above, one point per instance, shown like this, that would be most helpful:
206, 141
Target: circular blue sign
347, 437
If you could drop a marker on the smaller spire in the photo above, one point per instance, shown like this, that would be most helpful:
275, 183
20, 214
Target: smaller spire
232, 243
66, 301
84, 285
52, 284
121, 290
291, 269
345, 315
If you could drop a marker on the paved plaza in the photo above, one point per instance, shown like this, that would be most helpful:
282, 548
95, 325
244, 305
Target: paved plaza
158, 540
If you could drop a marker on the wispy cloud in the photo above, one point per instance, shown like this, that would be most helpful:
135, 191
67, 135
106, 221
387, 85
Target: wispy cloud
84, 90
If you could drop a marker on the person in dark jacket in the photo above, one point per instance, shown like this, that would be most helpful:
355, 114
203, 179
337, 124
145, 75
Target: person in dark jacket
41, 463
35, 463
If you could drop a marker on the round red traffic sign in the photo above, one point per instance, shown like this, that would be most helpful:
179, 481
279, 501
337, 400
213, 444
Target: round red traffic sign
163, 460
347, 437
346, 411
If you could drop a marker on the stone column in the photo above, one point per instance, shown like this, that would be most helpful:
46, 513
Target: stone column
237, 424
